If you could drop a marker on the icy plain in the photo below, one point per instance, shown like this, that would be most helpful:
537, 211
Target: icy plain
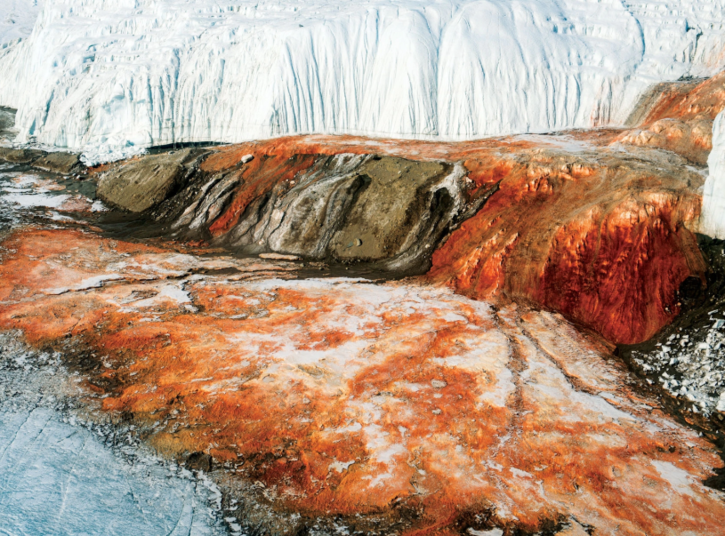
104, 76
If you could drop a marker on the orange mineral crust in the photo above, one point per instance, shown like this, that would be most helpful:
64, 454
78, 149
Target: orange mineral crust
603, 239
678, 117
343, 398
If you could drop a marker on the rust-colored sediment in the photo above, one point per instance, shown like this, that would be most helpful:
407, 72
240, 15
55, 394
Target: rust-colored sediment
342, 397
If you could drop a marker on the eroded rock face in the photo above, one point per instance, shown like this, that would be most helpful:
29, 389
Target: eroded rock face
59, 162
20, 156
344, 208
570, 222
687, 358
589, 235
398, 407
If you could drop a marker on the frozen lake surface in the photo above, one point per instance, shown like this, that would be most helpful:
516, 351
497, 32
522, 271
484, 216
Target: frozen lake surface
61, 477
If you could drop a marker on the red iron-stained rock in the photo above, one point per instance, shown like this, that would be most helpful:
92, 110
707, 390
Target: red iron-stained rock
598, 233
603, 239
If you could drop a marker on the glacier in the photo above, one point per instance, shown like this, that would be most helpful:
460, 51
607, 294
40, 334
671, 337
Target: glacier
103, 76
110, 78
713, 205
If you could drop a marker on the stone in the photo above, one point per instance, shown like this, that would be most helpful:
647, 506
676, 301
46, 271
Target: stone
20, 156
141, 184
279, 257
59, 162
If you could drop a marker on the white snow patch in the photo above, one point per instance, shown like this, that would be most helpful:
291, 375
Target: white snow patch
721, 402
168, 292
88, 283
17, 18
677, 478
340, 466
504, 387
36, 200
492, 532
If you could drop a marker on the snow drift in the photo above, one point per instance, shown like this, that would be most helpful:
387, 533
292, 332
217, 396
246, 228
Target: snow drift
109, 75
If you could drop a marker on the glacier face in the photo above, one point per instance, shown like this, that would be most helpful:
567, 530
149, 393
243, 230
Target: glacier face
713, 203
103, 76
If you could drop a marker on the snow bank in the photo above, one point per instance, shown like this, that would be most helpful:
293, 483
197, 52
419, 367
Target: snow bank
713, 203
107, 75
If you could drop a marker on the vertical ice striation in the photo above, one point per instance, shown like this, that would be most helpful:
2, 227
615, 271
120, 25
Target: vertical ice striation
103, 76
713, 208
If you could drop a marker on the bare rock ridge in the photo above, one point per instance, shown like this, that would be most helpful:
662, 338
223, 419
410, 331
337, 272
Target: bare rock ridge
388, 211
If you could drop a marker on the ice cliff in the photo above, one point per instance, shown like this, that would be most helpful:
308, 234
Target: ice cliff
713, 209
107, 75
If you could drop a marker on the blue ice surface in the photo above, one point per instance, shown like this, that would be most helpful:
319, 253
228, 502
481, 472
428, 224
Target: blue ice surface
59, 479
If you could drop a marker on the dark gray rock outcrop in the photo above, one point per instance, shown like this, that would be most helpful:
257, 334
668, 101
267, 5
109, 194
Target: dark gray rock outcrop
60, 162
56, 162
143, 183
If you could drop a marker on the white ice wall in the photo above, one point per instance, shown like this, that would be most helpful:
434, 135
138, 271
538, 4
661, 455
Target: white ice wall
109, 75
712, 222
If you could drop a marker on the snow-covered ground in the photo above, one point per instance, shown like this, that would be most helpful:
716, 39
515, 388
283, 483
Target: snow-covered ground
62, 476
109, 75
